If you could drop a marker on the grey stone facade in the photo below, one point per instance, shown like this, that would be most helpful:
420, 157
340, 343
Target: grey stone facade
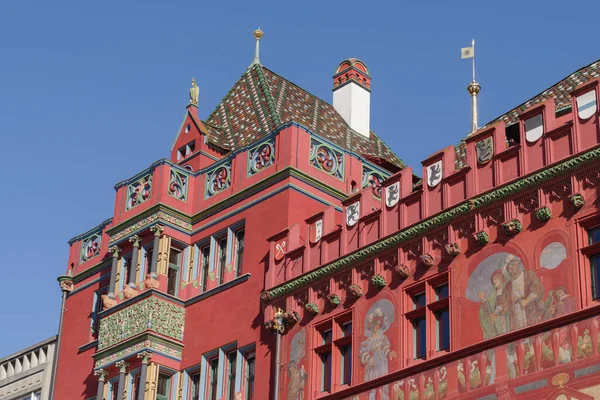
26, 374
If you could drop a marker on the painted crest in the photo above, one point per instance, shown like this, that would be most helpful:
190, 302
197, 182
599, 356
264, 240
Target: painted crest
317, 231
392, 194
586, 104
485, 150
353, 213
534, 128
280, 249
434, 174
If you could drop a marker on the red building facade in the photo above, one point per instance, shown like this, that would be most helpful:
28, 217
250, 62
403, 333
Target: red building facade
282, 252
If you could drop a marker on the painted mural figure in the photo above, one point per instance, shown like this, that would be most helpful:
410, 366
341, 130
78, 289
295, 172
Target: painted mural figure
375, 351
526, 294
494, 313
296, 372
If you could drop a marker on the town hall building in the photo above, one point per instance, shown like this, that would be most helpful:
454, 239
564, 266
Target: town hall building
284, 252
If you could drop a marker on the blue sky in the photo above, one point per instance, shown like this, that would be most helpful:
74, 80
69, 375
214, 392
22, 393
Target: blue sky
93, 92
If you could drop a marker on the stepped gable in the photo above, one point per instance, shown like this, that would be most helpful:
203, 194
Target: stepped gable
262, 100
559, 92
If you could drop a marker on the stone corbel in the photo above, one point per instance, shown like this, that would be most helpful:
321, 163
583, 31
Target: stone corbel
427, 260
453, 249
512, 227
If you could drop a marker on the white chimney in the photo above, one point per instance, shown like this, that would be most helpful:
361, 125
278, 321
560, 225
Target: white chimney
352, 94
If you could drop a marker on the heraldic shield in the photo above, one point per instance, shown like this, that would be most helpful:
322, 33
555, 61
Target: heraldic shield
485, 150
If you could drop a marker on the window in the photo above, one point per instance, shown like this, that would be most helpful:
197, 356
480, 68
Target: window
513, 135
213, 376
594, 238
186, 150
163, 387
205, 251
334, 352
173, 270
126, 265
231, 365
135, 386
195, 391
97, 308
114, 390
239, 250
221, 258
429, 307
33, 396
148, 260
250, 367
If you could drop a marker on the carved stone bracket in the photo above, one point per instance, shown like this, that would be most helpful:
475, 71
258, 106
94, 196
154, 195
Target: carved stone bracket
402, 270
427, 260
129, 292
453, 249
512, 227
577, 200
355, 290
151, 282
543, 213
378, 281
145, 356
66, 283
482, 238
334, 299
107, 302
312, 308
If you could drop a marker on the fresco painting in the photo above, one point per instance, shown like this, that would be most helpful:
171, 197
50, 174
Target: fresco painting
375, 351
296, 371
512, 295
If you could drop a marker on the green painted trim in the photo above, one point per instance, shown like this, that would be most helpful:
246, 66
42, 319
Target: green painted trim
268, 95
147, 341
464, 208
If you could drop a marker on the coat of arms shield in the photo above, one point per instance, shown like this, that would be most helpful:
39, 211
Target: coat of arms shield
353, 213
392, 194
434, 174
586, 104
485, 150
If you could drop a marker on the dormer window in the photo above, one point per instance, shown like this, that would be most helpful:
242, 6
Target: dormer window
186, 150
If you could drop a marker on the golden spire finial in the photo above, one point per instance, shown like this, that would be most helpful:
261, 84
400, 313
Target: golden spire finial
473, 88
194, 93
258, 34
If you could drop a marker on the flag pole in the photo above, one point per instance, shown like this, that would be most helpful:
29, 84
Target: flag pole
473, 88
473, 45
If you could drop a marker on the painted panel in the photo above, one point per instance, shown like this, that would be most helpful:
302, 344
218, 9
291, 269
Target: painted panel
373, 178
326, 158
261, 156
138, 192
178, 184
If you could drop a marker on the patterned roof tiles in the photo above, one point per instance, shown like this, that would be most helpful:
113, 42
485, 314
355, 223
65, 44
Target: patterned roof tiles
261, 100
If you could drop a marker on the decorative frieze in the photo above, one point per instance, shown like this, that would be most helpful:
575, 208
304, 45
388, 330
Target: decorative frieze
217, 180
141, 224
178, 184
152, 344
261, 156
152, 314
138, 192
326, 158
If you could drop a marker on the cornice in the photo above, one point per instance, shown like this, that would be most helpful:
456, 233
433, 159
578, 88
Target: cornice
444, 217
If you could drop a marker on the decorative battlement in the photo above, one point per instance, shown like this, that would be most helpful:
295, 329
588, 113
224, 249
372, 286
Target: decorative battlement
545, 150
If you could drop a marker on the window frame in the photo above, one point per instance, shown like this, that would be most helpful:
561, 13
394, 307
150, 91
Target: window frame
168, 385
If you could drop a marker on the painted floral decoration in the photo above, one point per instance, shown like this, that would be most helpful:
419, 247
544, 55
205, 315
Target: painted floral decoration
326, 158
261, 156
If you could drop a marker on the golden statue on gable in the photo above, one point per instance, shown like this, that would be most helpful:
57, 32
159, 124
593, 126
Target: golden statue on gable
194, 93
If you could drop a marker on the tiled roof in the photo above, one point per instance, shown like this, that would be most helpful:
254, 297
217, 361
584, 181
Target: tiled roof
559, 92
261, 101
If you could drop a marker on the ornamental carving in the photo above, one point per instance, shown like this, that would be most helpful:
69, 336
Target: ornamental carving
577, 200
178, 185
543, 213
482, 238
66, 284
128, 292
138, 192
218, 180
334, 299
453, 249
512, 227
426, 260
90, 247
326, 158
151, 314
107, 302
153, 345
378, 281
372, 178
261, 156
312, 308
402, 270
150, 282
355, 290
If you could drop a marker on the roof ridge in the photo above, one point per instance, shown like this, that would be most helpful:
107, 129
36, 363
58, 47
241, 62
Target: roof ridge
268, 95
216, 109
578, 71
